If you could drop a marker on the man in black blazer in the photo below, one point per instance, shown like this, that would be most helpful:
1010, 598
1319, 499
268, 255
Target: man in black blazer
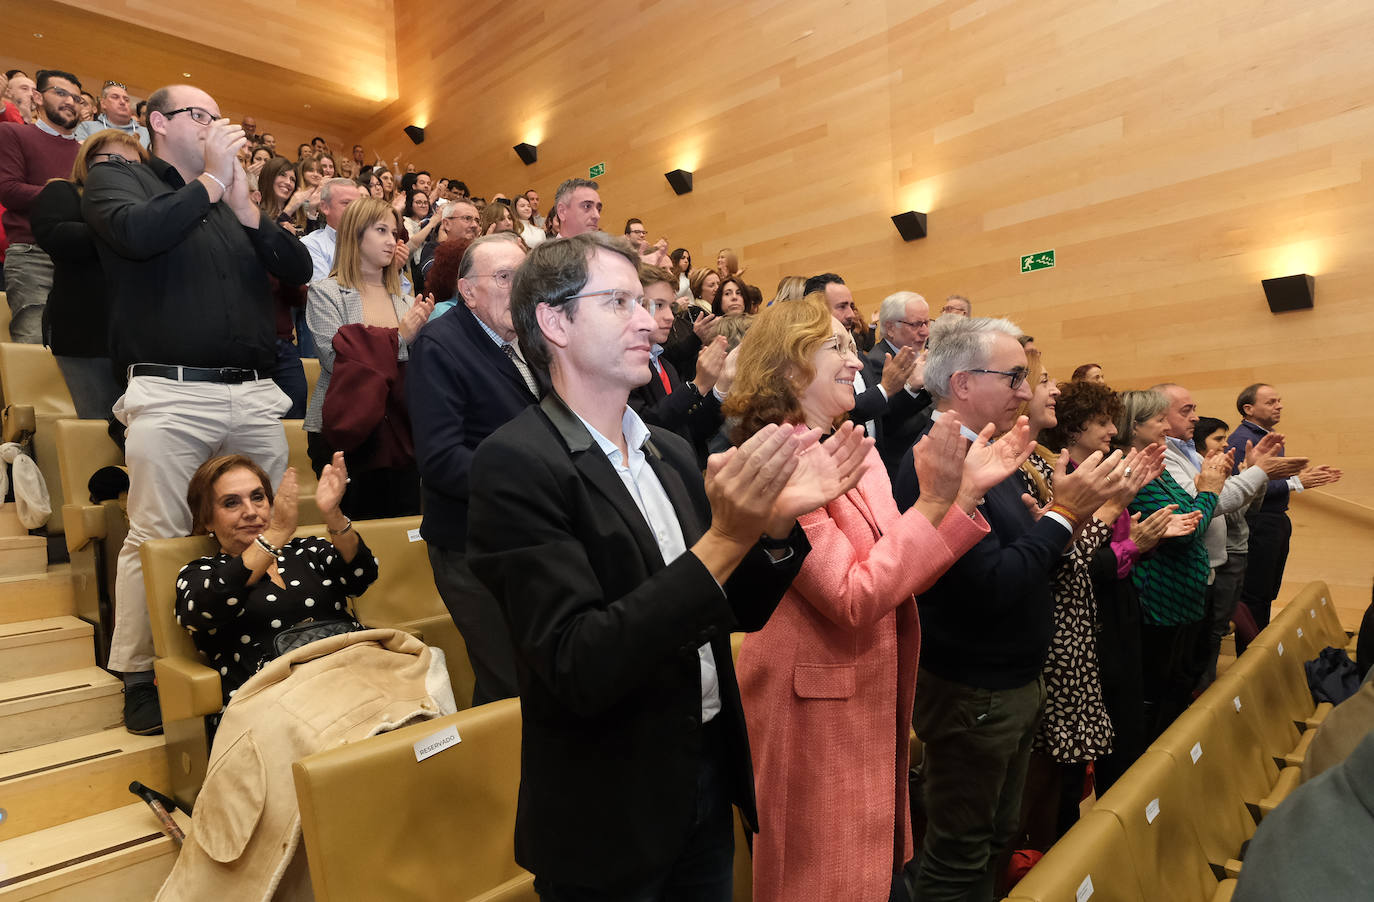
986, 624
905, 320
621, 577
691, 409
467, 378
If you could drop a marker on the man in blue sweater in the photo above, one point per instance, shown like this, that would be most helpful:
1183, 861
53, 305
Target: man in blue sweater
986, 624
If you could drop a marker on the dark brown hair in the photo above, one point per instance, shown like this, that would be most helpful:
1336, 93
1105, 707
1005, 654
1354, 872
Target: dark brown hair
1080, 404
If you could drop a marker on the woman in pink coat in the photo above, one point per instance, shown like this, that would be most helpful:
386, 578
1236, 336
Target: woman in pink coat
828, 684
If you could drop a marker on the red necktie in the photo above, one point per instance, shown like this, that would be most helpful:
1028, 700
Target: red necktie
663, 375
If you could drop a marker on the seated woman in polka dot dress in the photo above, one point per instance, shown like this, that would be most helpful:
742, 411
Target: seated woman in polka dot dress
262, 582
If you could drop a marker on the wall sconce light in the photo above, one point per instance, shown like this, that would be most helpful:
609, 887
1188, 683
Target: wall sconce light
415, 134
911, 225
681, 180
527, 153
1289, 293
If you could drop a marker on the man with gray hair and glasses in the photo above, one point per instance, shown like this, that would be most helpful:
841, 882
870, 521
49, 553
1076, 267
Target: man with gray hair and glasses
905, 320
466, 378
986, 624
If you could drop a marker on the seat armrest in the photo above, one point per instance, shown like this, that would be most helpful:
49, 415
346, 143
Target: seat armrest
83, 523
1315, 719
1288, 780
1296, 757
187, 689
519, 888
19, 421
1232, 868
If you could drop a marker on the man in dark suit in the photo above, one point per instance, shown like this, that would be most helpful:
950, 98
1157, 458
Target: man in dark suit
986, 624
621, 577
905, 320
691, 409
466, 378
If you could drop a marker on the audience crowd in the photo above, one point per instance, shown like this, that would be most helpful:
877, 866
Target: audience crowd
621, 457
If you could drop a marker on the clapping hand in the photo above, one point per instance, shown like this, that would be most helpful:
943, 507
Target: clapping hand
710, 362
988, 462
1321, 475
825, 471
416, 317
332, 484
284, 509
1214, 471
896, 370
940, 459
705, 326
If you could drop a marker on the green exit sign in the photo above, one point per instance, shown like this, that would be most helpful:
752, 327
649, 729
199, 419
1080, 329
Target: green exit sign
596, 171
1042, 260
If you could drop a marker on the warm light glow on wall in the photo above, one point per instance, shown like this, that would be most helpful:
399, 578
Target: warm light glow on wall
924, 195
688, 158
533, 134
1302, 256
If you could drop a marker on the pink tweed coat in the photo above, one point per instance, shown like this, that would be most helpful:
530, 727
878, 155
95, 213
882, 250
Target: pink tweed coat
828, 687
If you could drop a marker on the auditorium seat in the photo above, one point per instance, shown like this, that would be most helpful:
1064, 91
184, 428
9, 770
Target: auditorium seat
311, 365
83, 447
1218, 770
1151, 802
378, 824
1090, 861
404, 597
36, 397
1293, 643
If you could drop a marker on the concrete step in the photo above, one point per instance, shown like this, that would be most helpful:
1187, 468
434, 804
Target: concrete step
38, 596
23, 555
64, 781
116, 855
58, 706
35, 647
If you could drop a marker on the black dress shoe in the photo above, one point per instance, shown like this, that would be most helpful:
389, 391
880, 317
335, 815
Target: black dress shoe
142, 714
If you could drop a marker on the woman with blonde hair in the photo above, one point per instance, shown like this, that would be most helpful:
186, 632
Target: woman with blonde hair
524, 221
727, 264
828, 684
790, 288
704, 283
364, 290
76, 318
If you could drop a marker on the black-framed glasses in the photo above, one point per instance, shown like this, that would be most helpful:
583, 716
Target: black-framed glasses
919, 324
62, 93
199, 115
1016, 377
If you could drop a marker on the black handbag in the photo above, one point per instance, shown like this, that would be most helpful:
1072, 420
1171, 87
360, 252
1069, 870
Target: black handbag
307, 631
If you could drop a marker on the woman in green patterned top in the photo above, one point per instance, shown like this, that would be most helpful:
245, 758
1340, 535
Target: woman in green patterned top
1173, 581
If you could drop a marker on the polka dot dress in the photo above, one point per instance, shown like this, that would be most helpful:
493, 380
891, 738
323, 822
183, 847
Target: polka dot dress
234, 624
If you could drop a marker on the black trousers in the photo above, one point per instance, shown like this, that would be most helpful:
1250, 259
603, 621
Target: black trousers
1270, 535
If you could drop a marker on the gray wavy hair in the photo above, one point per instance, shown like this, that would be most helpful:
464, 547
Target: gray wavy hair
958, 344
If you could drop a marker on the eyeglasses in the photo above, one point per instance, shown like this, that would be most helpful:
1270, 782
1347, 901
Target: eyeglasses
501, 277
1015, 377
919, 324
199, 115
953, 308
60, 92
623, 302
110, 158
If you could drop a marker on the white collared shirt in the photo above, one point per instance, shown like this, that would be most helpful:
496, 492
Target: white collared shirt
652, 501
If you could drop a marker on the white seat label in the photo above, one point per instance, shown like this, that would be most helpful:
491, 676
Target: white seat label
1152, 811
1196, 752
1085, 890
435, 743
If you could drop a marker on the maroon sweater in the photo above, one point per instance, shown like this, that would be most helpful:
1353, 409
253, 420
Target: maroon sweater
29, 157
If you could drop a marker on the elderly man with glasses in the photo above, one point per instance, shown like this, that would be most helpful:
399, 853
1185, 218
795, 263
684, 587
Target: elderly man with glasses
116, 111
467, 377
30, 155
986, 624
188, 256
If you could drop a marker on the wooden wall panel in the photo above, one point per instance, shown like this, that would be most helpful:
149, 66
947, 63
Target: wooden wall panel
1173, 153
